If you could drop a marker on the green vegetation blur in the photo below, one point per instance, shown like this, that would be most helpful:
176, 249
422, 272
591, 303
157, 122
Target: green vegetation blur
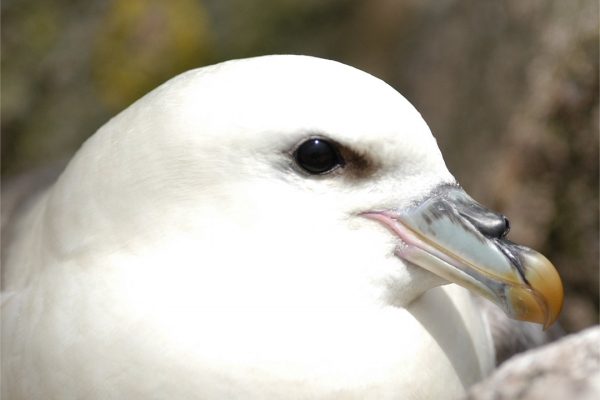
509, 88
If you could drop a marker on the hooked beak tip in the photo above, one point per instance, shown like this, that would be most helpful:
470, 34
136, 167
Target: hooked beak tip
543, 301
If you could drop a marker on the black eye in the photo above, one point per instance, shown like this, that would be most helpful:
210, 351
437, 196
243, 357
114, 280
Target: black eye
318, 156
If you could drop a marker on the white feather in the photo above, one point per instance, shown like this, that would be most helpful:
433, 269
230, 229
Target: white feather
181, 254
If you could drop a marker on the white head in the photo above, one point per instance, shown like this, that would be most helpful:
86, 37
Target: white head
204, 168
192, 212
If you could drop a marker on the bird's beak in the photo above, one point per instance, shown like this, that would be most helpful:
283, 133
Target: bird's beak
454, 237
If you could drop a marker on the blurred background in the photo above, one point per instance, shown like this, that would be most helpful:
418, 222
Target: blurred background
509, 88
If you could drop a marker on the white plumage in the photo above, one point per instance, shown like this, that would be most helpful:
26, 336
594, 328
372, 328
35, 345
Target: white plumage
183, 254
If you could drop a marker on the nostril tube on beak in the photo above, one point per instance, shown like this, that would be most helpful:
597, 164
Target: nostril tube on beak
489, 223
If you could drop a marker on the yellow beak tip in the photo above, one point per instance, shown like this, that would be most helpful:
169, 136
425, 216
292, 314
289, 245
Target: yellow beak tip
542, 301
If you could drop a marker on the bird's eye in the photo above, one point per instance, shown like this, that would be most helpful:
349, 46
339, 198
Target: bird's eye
318, 156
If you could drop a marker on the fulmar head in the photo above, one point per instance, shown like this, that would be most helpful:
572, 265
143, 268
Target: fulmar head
230, 214
274, 169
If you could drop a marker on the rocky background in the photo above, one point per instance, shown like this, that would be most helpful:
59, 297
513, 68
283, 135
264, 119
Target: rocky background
509, 87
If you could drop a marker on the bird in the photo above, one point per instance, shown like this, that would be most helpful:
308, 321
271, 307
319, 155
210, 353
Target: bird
281, 226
